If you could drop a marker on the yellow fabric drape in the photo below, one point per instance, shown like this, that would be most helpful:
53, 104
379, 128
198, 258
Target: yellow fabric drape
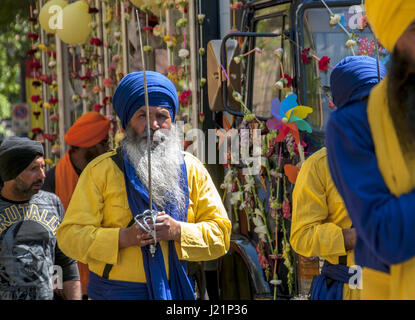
398, 172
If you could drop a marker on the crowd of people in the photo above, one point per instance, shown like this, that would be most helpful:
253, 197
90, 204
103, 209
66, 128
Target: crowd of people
351, 202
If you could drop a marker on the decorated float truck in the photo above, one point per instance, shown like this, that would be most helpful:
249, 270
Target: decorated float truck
274, 50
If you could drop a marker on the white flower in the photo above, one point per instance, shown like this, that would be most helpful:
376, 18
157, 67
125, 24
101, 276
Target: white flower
261, 232
275, 282
238, 59
279, 84
350, 43
334, 19
183, 53
235, 197
279, 52
249, 184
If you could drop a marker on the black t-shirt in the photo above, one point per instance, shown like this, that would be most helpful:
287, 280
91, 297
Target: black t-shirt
29, 255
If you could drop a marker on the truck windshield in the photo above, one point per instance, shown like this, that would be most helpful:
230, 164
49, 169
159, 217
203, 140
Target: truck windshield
329, 41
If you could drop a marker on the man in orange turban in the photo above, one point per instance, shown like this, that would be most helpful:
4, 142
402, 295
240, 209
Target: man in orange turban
372, 160
87, 138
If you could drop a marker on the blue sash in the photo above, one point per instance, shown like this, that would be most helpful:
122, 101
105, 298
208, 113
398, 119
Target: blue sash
159, 288
338, 273
104, 289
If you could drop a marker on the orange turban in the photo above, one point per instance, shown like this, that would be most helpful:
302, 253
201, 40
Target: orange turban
90, 129
389, 19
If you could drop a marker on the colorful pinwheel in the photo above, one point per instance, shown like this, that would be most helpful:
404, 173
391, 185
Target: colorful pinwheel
289, 117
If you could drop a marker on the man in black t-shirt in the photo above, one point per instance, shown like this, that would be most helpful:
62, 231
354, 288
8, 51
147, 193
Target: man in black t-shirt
29, 218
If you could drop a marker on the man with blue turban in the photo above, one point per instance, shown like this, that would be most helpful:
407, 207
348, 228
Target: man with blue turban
191, 225
372, 160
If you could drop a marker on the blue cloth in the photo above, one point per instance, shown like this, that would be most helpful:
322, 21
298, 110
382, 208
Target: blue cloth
103, 289
384, 223
339, 274
129, 95
159, 288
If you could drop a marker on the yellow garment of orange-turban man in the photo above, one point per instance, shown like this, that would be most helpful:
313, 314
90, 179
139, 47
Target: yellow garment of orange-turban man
389, 19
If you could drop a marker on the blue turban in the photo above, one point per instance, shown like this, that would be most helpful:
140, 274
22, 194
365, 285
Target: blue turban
353, 78
129, 95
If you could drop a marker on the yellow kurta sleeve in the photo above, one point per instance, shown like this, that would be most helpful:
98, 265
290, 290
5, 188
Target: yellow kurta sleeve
313, 228
83, 234
206, 234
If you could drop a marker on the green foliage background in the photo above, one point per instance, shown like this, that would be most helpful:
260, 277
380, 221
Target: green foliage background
14, 26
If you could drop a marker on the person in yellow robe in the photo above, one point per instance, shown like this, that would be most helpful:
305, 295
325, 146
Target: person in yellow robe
371, 157
321, 227
191, 222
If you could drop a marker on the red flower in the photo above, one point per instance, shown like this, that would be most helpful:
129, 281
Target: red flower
93, 10
97, 107
37, 130
35, 98
107, 100
147, 28
184, 97
324, 63
87, 75
36, 83
289, 81
95, 41
33, 36
305, 55
35, 64
31, 52
36, 114
53, 100
45, 79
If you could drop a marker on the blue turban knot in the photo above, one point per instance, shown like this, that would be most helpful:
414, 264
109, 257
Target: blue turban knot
129, 95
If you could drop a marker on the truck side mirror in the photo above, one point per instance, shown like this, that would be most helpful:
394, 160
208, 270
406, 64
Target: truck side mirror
216, 76
219, 88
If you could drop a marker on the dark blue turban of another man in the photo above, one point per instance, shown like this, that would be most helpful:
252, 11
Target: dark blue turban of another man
129, 95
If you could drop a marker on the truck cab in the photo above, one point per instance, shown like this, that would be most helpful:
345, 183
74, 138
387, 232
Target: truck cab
296, 42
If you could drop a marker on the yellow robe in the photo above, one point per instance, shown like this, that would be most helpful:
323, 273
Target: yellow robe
319, 215
398, 172
99, 207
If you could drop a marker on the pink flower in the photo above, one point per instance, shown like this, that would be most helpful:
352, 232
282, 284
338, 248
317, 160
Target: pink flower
236, 6
54, 117
286, 210
108, 82
172, 69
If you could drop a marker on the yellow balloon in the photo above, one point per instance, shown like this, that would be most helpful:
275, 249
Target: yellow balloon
153, 6
138, 3
157, 11
76, 23
50, 15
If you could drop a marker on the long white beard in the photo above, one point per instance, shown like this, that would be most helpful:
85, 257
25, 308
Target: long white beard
166, 159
